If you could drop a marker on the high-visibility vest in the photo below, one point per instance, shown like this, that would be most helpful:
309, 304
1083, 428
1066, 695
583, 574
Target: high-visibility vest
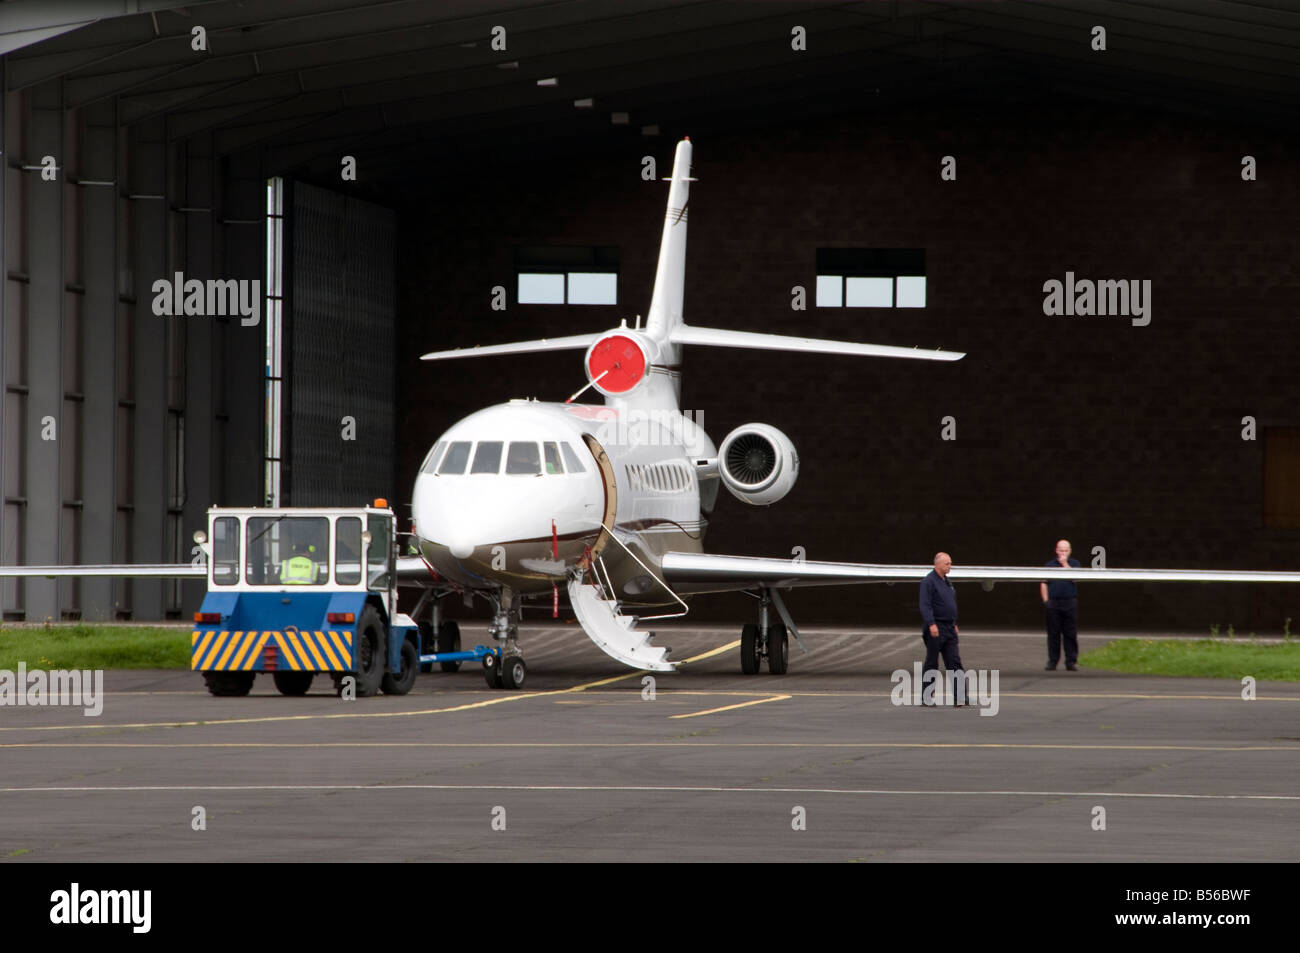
298, 571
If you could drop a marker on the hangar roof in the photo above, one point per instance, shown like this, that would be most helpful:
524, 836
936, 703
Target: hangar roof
396, 81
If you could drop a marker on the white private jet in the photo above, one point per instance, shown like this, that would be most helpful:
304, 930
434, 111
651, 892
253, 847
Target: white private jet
612, 502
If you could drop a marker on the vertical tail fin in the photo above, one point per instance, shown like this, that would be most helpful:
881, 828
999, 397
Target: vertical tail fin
666, 302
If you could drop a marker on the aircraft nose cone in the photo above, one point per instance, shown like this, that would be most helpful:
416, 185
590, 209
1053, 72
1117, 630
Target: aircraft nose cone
460, 546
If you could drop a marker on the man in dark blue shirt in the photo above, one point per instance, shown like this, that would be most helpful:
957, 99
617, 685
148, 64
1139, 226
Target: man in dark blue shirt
1060, 599
939, 620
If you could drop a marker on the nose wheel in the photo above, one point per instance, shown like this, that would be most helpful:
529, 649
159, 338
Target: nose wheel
509, 672
492, 671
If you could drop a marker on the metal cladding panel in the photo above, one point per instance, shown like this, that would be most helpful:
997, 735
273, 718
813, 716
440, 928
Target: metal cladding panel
342, 348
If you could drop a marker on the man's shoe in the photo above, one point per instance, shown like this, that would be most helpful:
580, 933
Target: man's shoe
1049, 668
1071, 667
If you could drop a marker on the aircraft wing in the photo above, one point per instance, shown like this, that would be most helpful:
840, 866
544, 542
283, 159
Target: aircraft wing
158, 570
703, 572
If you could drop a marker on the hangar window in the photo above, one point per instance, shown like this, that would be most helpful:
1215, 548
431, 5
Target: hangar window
871, 278
1282, 477
566, 274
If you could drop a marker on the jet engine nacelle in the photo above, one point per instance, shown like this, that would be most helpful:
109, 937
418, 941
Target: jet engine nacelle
758, 464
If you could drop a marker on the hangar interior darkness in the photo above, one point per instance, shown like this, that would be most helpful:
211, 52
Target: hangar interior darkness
490, 140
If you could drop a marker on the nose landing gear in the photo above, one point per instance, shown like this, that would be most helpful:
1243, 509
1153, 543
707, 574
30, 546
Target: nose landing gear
505, 667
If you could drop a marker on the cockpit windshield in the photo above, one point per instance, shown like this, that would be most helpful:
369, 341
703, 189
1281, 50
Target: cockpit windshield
456, 458
487, 457
521, 458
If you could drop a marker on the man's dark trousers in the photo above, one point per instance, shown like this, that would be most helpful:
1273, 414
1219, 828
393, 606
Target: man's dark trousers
1062, 625
945, 642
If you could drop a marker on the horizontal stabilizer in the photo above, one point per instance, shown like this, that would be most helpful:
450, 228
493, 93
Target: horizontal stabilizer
572, 342
717, 337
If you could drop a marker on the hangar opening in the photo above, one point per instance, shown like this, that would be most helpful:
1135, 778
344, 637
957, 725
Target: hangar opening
402, 177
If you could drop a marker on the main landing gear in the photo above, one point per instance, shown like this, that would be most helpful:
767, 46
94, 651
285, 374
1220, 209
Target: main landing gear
768, 640
505, 667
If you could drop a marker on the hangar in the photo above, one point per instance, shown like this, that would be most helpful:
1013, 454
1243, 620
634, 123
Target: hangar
382, 179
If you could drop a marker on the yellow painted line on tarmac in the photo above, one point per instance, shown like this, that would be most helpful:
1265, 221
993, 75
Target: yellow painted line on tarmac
711, 652
714, 711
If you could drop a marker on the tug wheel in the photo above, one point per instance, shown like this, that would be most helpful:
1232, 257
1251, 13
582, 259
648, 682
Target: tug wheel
370, 651
404, 681
230, 684
292, 683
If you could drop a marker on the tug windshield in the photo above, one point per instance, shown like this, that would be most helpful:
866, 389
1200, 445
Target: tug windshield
287, 551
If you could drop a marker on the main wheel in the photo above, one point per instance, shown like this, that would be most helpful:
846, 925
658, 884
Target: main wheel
492, 671
232, 684
404, 681
292, 683
749, 650
371, 645
449, 641
513, 672
778, 649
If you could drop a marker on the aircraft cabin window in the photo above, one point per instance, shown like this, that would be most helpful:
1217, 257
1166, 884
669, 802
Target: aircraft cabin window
571, 458
487, 457
456, 458
523, 459
430, 464
553, 464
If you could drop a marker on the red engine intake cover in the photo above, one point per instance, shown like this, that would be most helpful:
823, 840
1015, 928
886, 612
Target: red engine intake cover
620, 359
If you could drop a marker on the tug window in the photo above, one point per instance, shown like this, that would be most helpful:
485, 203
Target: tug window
553, 464
225, 550
523, 459
347, 551
456, 458
487, 457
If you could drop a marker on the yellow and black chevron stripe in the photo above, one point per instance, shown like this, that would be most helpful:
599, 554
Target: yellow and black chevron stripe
225, 651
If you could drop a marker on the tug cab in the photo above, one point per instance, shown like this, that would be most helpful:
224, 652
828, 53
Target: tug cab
299, 592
